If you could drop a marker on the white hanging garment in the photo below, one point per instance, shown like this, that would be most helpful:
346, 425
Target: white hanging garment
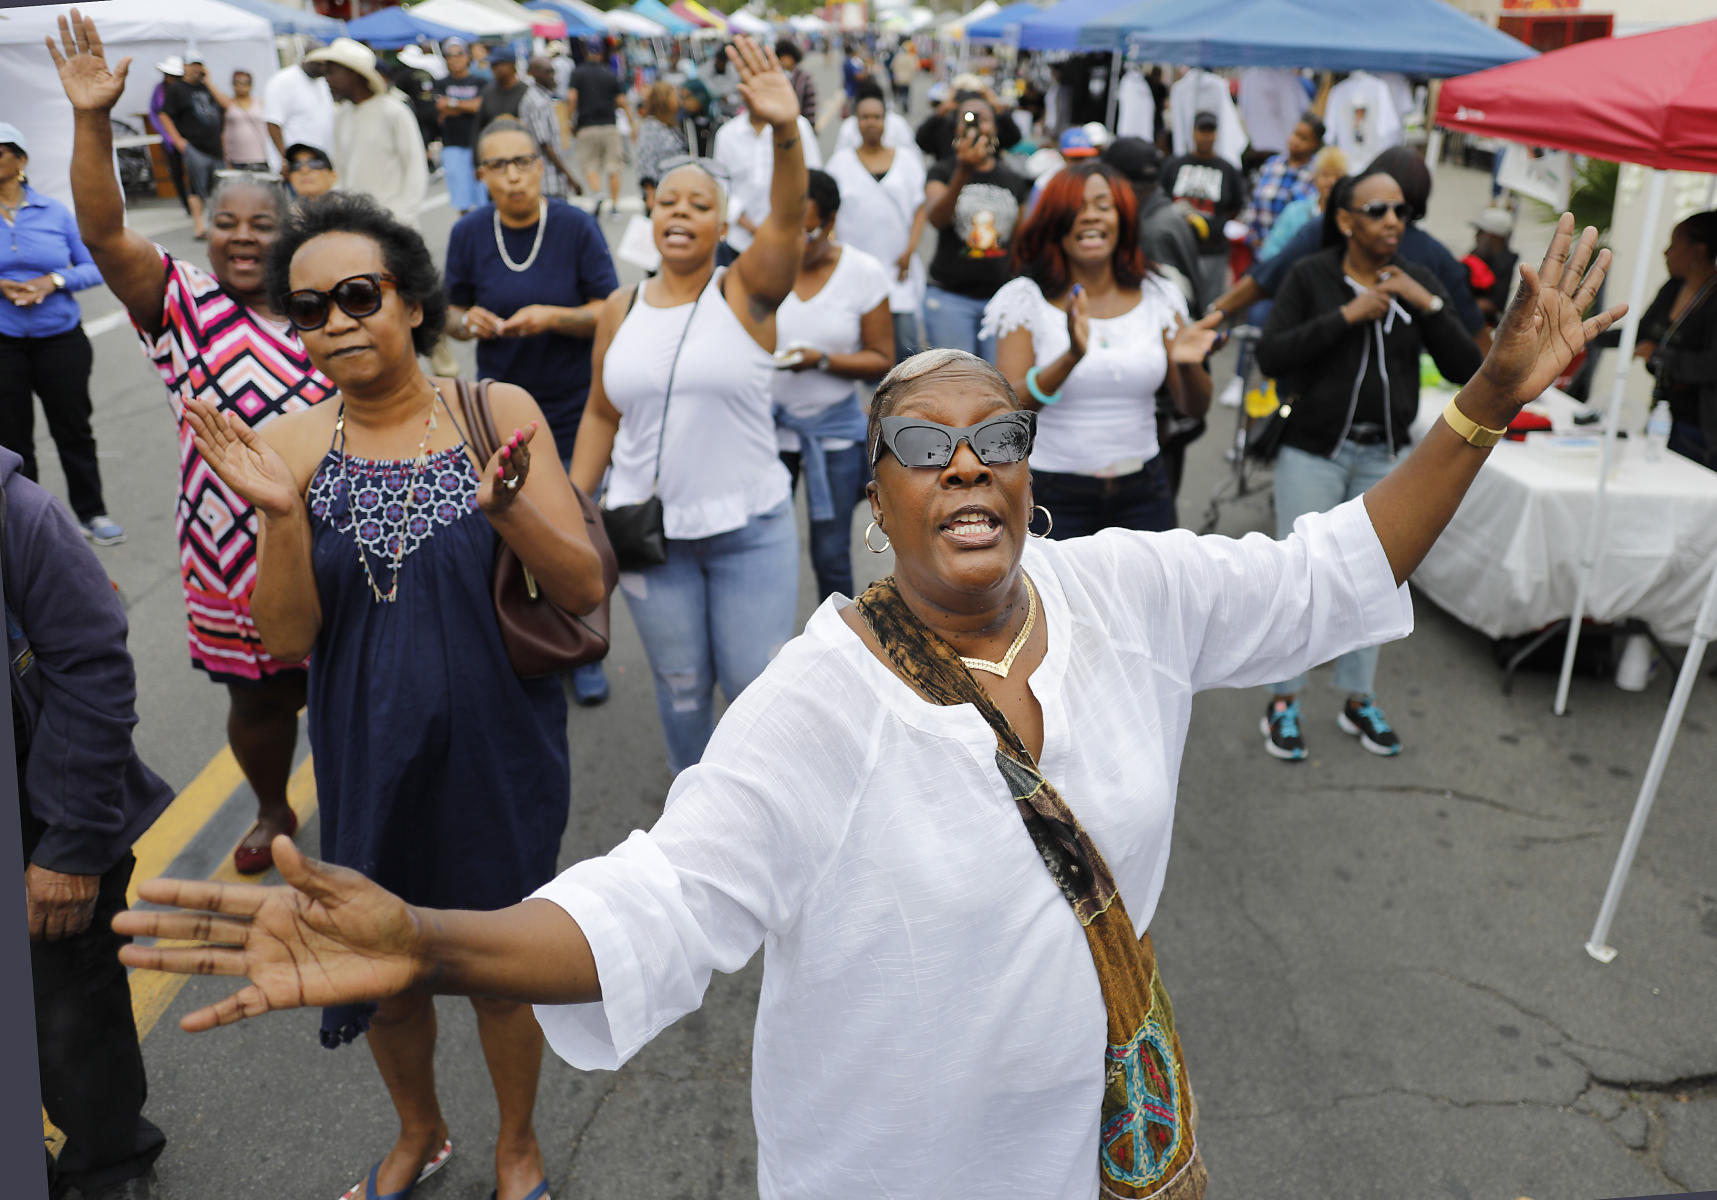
1272, 100
1201, 91
1362, 118
1135, 107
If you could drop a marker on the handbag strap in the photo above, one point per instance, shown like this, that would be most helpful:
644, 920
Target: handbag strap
673, 368
480, 432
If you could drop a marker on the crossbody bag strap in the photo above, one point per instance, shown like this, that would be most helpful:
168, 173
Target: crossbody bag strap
673, 369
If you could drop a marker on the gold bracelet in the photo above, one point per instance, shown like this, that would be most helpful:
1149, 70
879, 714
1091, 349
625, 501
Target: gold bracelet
1470, 430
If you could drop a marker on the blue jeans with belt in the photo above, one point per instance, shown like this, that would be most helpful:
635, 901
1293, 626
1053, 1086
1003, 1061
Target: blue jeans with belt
1307, 483
716, 611
1082, 504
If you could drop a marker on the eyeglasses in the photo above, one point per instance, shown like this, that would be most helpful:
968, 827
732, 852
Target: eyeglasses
520, 163
312, 164
920, 443
1378, 209
707, 165
357, 295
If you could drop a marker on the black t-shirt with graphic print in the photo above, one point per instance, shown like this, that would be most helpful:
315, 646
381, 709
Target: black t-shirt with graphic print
972, 254
1213, 188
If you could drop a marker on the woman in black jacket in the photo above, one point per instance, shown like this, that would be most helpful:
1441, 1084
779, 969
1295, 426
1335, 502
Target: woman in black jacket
1343, 342
1678, 338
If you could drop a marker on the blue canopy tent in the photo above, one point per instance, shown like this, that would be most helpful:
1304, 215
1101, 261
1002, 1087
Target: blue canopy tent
287, 19
1057, 27
392, 28
658, 12
578, 25
1111, 30
1001, 26
1418, 37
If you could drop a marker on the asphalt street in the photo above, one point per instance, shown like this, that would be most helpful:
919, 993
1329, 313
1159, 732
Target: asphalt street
1377, 965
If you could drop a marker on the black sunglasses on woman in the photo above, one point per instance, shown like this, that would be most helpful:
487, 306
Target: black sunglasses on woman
357, 295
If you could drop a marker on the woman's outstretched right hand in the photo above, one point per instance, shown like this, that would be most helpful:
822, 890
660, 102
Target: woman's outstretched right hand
245, 463
84, 73
330, 937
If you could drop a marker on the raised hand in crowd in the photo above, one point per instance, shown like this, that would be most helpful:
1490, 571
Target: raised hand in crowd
245, 463
91, 85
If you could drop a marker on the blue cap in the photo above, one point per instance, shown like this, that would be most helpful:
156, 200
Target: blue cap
1076, 143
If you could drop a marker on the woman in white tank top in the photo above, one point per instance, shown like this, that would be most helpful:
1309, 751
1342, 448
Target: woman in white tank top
1088, 335
727, 598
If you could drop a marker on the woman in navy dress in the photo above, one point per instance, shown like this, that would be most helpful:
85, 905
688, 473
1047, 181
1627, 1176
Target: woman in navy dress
441, 773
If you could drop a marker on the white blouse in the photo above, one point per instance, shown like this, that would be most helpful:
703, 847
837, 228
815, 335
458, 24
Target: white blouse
831, 321
1107, 413
930, 1021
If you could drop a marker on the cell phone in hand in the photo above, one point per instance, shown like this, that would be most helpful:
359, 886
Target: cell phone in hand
786, 360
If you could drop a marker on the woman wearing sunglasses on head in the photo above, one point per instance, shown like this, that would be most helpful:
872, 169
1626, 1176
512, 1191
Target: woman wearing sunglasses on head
1088, 334
681, 413
1343, 341
214, 335
880, 808
441, 774
526, 278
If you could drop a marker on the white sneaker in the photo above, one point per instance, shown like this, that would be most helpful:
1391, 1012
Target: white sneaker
1230, 397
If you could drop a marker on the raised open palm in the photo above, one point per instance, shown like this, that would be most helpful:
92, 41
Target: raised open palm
763, 85
90, 84
1544, 328
331, 937
246, 464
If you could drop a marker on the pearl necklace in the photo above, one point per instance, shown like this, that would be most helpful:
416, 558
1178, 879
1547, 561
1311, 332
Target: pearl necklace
1006, 664
501, 245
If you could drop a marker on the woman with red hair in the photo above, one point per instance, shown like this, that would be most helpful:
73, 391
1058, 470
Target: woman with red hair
1088, 333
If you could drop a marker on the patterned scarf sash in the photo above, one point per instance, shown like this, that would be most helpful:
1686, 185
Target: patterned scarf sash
1146, 1146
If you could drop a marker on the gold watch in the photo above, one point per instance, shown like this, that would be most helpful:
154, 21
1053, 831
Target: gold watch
1470, 430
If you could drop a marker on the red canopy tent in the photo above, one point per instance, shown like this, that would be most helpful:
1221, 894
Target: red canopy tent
1650, 99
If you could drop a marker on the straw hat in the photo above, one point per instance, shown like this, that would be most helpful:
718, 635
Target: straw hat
354, 56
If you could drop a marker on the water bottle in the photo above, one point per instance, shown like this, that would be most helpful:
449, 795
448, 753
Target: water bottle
1657, 431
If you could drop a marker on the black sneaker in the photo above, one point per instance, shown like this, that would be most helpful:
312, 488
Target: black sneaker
1281, 729
1366, 721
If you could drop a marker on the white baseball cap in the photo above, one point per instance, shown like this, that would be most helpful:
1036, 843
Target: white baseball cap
1497, 221
171, 65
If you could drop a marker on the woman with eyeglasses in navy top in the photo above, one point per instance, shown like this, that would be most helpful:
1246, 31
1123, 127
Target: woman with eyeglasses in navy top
1344, 341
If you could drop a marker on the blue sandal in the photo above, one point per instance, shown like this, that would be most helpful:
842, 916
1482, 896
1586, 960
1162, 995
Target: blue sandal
540, 1192
365, 1189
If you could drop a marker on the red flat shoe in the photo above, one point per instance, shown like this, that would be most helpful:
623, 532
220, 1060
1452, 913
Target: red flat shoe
254, 862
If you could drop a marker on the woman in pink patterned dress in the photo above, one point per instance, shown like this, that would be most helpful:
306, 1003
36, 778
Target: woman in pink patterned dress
211, 334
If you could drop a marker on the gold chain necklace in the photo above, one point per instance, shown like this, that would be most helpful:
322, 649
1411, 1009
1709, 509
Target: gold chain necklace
1001, 668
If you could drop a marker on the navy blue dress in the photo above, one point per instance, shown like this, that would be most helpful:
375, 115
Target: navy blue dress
440, 773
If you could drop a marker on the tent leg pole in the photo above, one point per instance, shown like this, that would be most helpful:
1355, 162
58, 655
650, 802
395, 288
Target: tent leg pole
1704, 630
1434, 147
1114, 89
1624, 356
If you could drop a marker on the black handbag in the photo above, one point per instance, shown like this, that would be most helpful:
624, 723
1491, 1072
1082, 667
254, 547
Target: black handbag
636, 531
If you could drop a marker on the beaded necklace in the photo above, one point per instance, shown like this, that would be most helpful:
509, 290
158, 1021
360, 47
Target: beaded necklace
341, 500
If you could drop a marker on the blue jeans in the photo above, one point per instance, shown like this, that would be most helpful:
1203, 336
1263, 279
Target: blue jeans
1080, 505
718, 609
832, 540
459, 165
1307, 483
951, 323
907, 340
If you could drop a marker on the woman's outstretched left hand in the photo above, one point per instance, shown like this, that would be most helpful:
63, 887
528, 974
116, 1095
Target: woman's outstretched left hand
505, 472
1188, 345
1544, 327
763, 85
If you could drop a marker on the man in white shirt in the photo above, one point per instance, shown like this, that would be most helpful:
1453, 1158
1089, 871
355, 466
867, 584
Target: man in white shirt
377, 147
299, 108
746, 149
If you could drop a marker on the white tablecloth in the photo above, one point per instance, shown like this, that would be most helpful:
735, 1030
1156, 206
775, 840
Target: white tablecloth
1509, 562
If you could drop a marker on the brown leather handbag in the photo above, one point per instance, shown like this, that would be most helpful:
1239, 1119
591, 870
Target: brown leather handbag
541, 637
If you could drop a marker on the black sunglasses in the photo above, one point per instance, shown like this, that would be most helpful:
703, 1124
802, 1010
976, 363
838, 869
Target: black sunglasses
357, 296
1378, 209
312, 164
920, 443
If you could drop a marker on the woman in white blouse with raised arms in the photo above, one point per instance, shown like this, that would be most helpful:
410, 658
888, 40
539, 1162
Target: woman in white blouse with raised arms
1088, 334
833, 328
938, 1009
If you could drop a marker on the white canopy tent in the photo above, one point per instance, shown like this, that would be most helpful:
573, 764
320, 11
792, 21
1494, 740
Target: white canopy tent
146, 31
621, 20
473, 16
511, 9
744, 22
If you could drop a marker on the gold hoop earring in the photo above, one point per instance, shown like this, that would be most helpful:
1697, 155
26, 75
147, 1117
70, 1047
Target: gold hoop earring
883, 549
1047, 516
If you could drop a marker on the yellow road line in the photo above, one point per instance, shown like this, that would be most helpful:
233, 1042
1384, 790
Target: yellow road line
153, 991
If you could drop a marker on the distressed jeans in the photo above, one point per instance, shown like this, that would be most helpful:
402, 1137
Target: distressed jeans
715, 612
1307, 483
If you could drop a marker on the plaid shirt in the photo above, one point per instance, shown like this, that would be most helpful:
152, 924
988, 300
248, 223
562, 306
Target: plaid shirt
1279, 185
537, 114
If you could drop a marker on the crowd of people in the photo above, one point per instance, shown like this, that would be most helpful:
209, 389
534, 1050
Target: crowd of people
1032, 384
